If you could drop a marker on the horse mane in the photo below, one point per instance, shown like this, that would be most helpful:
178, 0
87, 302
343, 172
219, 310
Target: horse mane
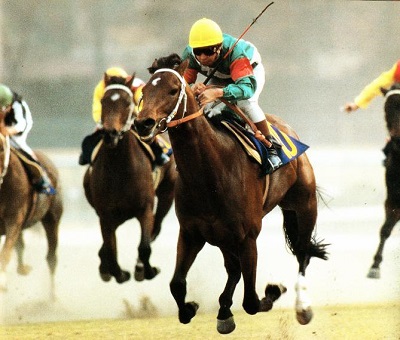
171, 61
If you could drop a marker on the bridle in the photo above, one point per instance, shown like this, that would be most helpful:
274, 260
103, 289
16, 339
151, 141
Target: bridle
131, 118
5, 140
168, 121
392, 92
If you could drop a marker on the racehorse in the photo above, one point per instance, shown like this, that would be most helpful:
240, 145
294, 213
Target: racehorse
392, 165
22, 207
119, 184
221, 198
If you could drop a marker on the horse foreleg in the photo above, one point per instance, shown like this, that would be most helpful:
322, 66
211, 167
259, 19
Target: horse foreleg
143, 269
225, 321
108, 255
12, 235
187, 251
22, 268
392, 217
248, 262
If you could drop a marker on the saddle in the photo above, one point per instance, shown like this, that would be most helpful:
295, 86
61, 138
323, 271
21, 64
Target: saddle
33, 169
290, 150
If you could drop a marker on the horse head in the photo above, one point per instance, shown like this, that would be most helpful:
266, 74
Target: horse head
392, 109
162, 97
117, 108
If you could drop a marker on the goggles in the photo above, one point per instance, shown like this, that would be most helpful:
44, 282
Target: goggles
208, 51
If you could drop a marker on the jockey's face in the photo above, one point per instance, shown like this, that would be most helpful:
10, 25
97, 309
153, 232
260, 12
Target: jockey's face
5, 109
207, 56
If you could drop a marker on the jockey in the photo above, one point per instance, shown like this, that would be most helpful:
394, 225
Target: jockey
18, 121
89, 143
241, 75
372, 90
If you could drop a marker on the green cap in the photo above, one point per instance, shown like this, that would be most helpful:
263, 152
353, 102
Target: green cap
6, 96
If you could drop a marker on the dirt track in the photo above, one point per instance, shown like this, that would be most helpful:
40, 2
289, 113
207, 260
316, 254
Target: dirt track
334, 322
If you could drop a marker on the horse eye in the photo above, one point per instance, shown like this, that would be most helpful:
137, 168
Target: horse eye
173, 92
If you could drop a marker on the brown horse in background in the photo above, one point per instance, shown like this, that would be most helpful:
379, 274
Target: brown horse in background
221, 199
119, 184
22, 207
392, 176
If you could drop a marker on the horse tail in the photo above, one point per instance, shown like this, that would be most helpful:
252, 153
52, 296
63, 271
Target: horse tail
290, 226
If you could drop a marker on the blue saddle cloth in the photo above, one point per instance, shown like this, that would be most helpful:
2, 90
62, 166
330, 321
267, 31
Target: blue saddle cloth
291, 147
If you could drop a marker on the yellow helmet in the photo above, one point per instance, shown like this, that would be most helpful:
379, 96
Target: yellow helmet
116, 72
205, 32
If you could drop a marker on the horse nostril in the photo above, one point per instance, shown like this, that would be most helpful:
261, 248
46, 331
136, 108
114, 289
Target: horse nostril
149, 123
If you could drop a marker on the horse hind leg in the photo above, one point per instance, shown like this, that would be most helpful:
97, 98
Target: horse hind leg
392, 217
51, 223
143, 268
165, 197
22, 269
298, 231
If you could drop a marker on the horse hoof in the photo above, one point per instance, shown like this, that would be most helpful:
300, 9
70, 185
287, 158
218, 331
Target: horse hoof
226, 326
304, 316
189, 312
266, 304
153, 273
105, 277
123, 276
374, 273
24, 270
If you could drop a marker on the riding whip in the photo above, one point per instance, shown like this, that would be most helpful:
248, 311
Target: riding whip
233, 46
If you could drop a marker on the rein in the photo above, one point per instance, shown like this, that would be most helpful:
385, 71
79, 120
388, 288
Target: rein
130, 119
392, 92
7, 152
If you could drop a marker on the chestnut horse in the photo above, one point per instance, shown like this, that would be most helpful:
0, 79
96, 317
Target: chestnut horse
119, 184
392, 164
22, 207
221, 198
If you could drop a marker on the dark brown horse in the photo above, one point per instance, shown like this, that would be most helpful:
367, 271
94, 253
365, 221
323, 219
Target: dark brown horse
392, 176
21, 207
119, 184
221, 199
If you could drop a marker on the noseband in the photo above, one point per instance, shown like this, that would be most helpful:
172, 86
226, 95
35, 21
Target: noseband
5, 140
130, 119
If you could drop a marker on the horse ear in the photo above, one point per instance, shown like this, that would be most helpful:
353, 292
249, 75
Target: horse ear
182, 67
129, 80
106, 78
384, 91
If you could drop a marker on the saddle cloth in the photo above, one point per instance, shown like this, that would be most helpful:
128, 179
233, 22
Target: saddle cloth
291, 147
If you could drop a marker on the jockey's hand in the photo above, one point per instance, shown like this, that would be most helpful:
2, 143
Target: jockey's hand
350, 107
210, 95
198, 88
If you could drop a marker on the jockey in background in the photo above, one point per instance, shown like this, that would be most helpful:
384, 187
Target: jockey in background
90, 141
372, 90
18, 121
241, 76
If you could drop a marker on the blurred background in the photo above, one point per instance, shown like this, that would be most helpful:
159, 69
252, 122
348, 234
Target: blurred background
318, 55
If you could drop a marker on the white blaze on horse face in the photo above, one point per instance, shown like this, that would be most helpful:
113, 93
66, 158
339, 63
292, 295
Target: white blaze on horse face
155, 81
115, 97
